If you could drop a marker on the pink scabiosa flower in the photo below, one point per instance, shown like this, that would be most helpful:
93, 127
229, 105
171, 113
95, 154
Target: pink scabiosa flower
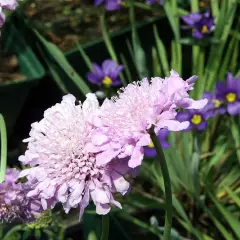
125, 121
62, 167
15, 206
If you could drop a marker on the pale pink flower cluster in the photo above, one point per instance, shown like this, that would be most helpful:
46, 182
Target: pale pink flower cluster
124, 121
83, 152
9, 5
61, 166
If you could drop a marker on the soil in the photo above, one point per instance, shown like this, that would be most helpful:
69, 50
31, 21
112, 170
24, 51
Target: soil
9, 69
64, 22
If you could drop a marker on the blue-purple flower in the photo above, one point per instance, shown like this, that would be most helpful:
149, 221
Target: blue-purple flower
107, 74
150, 150
201, 23
110, 5
229, 93
196, 118
214, 105
151, 2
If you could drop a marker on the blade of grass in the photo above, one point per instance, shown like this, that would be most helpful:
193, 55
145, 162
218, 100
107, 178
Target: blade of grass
108, 43
61, 60
233, 196
138, 52
126, 69
161, 52
215, 10
3, 132
155, 62
84, 56
229, 217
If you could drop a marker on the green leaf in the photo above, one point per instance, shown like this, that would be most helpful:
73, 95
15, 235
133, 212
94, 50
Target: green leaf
195, 174
138, 52
3, 132
155, 62
12, 231
61, 60
139, 223
92, 236
229, 217
108, 43
236, 136
233, 196
171, 11
161, 52
127, 70
84, 56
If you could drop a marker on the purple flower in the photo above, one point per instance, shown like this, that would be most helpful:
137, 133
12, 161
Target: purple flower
62, 168
15, 206
196, 118
150, 2
201, 23
229, 93
107, 74
214, 105
110, 5
150, 150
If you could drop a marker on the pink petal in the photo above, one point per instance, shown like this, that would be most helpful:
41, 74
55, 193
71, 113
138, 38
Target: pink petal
136, 158
99, 138
102, 209
102, 196
106, 156
144, 140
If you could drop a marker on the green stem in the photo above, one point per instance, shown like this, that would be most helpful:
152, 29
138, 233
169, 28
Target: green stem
3, 148
167, 184
105, 227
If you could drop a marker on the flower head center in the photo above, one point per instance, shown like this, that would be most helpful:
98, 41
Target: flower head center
107, 81
216, 103
196, 119
204, 29
231, 97
151, 145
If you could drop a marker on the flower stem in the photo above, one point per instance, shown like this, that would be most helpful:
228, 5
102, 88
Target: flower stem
167, 184
105, 227
3, 132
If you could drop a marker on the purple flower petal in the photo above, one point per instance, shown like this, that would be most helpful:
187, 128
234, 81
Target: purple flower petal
150, 152
202, 125
98, 2
233, 108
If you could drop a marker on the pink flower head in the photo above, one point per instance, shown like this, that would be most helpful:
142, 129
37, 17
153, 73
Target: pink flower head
124, 121
15, 206
63, 170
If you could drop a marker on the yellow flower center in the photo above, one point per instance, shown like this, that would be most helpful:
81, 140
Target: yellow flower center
151, 145
196, 119
231, 97
107, 81
204, 29
216, 103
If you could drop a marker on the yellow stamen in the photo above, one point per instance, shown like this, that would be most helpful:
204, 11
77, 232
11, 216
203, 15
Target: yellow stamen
216, 103
204, 29
196, 119
151, 145
231, 97
107, 81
